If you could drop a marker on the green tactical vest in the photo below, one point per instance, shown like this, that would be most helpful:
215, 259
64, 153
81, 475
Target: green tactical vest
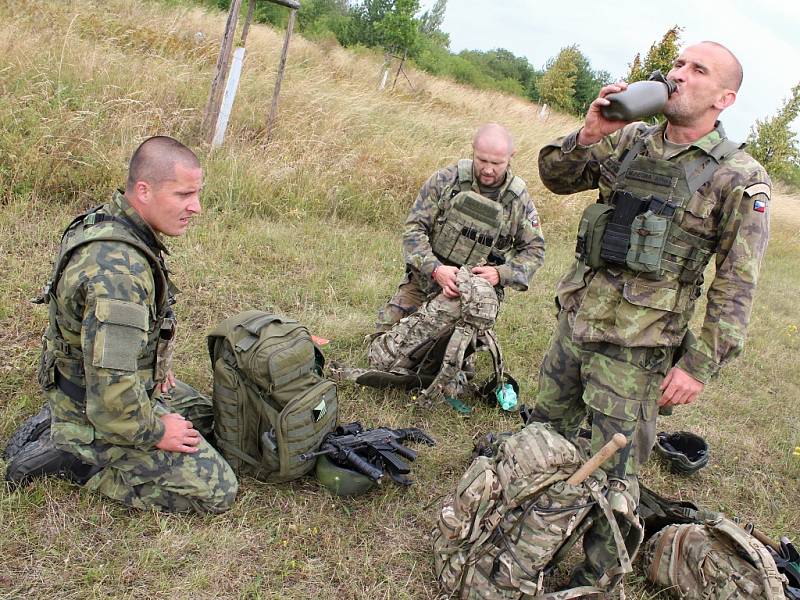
57, 354
471, 229
271, 404
653, 243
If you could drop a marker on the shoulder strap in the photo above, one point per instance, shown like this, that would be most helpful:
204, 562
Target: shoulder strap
465, 174
635, 149
757, 553
701, 170
517, 186
121, 231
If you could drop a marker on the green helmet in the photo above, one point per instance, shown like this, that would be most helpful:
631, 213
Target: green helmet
342, 481
685, 452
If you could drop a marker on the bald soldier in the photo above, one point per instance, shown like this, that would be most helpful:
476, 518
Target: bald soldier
117, 420
671, 197
505, 246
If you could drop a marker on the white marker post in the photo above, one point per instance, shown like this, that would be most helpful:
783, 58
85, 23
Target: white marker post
230, 95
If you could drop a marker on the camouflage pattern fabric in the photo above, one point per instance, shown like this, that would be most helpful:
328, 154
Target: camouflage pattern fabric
511, 514
521, 255
617, 331
106, 315
731, 210
699, 561
170, 481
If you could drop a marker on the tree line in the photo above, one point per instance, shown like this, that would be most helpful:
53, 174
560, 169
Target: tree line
567, 82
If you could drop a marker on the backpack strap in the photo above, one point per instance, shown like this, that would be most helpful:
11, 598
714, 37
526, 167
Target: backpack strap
463, 336
757, 554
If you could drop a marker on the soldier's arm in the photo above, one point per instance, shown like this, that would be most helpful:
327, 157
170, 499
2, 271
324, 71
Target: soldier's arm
114, 330
417, 249
566, 167
743, 237
528, 249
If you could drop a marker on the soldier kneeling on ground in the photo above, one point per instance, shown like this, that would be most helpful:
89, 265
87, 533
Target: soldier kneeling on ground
117, 421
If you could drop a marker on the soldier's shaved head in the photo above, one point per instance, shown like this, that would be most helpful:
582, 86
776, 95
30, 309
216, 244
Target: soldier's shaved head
495, 136
732, 72
155, 159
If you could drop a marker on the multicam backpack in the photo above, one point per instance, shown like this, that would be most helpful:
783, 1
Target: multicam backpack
514, 516
428, 348
711, 560
270, 403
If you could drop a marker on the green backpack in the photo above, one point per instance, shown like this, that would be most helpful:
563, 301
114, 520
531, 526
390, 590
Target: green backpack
271, 403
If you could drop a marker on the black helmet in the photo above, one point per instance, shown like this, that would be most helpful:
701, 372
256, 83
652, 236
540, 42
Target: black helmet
342, 481
685, 452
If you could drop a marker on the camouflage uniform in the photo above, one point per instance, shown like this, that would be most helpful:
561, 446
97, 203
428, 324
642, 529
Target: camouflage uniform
618, 331
519, 261
108, 311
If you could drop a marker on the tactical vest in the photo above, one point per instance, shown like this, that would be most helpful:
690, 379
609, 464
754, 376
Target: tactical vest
640, 229
62, 363
474, 230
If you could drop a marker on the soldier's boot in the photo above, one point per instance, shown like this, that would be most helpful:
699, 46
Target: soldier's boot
31, 430
41, 457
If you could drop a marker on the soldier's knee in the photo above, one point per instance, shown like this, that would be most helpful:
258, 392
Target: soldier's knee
223, 494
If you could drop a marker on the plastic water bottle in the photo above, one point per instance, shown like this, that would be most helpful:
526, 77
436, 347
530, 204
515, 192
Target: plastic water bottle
506, 396
642, 99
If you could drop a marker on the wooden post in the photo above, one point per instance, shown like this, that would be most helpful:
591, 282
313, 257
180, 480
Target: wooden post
223, 62
249, 19
281, 66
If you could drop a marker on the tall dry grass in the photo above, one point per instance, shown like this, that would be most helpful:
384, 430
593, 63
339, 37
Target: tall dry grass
308, 225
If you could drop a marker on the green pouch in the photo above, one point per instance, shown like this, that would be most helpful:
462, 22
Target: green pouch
648, 238
590, 234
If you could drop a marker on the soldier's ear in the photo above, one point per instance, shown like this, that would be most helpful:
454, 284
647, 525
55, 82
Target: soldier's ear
142, 192
726, 99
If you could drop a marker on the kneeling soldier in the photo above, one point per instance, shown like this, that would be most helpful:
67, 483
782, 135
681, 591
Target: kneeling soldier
121, 423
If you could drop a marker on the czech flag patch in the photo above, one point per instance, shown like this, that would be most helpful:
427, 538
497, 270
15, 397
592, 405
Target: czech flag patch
759, 205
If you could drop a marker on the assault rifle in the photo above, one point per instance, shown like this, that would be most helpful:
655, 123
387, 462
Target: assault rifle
372, 452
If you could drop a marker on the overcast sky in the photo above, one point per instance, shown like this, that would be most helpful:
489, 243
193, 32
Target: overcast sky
764, 35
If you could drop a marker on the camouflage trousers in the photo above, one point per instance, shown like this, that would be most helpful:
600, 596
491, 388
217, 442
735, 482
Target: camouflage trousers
406, 300
169, 481
618, 389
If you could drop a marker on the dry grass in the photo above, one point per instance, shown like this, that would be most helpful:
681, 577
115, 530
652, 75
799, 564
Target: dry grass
309, 226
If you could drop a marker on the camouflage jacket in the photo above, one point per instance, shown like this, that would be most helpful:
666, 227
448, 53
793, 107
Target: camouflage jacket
524, 257
106, 313
613, 305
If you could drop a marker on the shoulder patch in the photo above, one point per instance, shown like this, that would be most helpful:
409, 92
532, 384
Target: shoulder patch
758, 188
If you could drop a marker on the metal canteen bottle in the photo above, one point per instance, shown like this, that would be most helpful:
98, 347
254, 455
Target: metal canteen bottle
642, 99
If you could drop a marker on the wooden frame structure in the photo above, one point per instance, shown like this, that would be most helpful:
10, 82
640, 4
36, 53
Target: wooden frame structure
220, 98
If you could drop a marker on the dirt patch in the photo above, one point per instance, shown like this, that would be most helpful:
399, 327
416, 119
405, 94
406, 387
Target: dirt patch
786, 208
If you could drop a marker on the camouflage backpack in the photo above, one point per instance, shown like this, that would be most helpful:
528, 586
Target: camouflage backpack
514, 516
711, 560
270, 403
428, 348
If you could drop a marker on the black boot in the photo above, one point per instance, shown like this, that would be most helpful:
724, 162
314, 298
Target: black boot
41, 457
30, 431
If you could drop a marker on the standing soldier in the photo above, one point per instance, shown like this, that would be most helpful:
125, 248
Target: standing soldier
472, 213
671, 196
120, 423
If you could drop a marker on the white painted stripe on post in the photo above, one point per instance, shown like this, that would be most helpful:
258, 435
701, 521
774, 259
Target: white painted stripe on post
227, 100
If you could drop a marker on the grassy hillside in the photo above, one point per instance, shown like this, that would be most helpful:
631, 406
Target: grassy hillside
307, 225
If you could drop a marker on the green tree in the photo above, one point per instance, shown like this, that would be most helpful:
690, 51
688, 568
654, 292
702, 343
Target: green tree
569, 83
773, 142
557, 84
660, 56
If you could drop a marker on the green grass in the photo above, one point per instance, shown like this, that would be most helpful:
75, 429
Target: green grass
307, 225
